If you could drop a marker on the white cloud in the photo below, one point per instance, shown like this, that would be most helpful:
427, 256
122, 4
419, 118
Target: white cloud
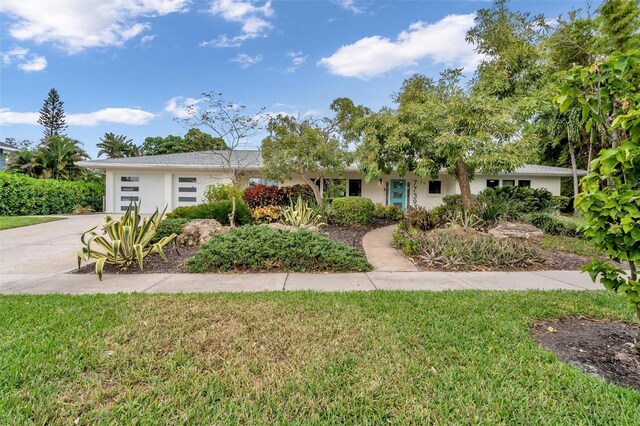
26, 61
297, 59
247, 13
147, 39
76, 25
351, 6
245, 60
132, 116
442, 42
181, 107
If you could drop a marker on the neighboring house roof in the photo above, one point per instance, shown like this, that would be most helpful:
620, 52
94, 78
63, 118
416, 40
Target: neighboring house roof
251, 159
8, 148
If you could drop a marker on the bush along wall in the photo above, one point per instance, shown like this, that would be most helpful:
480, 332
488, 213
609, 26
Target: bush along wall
22, 195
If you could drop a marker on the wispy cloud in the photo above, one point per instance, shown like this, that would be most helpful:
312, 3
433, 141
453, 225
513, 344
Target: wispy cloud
75, 25
133, 116
181, 107
24, 59
441, 42
251, 17
353, 6
297, 59
245, 60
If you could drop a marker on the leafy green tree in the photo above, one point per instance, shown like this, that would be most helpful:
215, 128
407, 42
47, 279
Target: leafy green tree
303, 146
619, 21
117, 146
197, 140
52, 115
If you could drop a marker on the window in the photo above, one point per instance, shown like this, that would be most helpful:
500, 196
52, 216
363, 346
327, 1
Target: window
129, 189
435, 187
129, 198
187, 199
524, 183
355, 187
508, 182
187, 189
261, 181
493, 183
129, 179
187, 180
123, 208
334, 188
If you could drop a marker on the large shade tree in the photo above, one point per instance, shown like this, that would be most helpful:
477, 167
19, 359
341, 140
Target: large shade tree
303, 146
193, 141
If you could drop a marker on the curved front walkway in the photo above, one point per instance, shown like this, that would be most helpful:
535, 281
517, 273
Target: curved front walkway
382, 255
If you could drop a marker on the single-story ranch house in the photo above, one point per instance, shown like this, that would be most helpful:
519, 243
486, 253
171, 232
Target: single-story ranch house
174, 180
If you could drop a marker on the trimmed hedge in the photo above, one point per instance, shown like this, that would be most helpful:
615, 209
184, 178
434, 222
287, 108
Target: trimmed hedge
23, 195
219, 211
260, 248
353, 210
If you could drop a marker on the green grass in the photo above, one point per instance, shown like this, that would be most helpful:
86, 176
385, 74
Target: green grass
8, 222
569, 244
300, 358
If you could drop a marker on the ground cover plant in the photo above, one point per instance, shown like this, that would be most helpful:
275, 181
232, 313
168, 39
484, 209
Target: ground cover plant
259, 248
575, 245
300, 357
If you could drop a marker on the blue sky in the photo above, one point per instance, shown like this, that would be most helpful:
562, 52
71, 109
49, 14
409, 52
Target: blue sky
131, 66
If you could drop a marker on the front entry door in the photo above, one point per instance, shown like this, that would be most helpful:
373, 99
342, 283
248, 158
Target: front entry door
398, 193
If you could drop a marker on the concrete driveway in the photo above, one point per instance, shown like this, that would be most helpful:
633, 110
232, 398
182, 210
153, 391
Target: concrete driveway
44, 248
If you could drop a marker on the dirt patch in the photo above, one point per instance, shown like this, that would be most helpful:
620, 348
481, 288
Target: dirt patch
153, 264
603, 348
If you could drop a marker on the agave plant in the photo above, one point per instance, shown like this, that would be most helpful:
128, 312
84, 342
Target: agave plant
128, 242
301, 215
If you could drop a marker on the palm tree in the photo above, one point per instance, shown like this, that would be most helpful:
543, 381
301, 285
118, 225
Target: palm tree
58, 156
117, 146
23, 162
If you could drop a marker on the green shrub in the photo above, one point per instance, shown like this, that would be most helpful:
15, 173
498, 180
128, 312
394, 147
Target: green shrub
551, 225
168, 227
259, 248
418, 218
453, 250
561, 203
219, 211
22, 195
222, 192
353, 210
388, 213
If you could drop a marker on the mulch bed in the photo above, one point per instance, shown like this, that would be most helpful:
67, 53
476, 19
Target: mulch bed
153, 264
603, 348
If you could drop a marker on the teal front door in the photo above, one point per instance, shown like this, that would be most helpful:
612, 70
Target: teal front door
398, 193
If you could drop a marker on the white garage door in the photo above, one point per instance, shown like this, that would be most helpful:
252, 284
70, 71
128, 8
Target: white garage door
189, 189
145, 189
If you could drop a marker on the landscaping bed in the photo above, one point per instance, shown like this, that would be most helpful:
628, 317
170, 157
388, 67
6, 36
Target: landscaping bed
603, 348
300, 357
351, 235
153, 263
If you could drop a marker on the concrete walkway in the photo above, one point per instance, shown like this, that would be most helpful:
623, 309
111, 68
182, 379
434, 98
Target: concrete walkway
380, 253
194, 283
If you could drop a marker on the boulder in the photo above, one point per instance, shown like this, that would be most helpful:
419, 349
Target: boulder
197, 232
515, 230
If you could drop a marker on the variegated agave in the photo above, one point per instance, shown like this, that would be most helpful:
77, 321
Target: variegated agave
128, 242
301, 215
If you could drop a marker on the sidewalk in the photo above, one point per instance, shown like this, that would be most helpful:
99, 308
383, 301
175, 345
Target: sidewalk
194, 283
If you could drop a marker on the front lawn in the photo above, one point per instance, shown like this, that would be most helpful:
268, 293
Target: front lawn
8, 222
579, 246
316, 358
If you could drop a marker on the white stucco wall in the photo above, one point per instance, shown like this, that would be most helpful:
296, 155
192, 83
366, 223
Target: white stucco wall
160, 185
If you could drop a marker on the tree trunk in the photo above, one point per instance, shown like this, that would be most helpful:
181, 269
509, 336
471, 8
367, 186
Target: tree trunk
314, 188
634, 277
592, 139
574, 167
615, 134
232, 215
462, 172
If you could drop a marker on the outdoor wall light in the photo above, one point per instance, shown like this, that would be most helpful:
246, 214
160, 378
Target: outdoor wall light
379, 182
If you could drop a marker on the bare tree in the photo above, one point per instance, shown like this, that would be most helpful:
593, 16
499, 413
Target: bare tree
229, 122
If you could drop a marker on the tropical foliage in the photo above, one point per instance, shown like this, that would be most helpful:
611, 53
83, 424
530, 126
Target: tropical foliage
55, 158
117, 146
300, 215
124, 242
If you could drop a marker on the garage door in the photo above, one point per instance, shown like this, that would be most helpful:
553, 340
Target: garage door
145, 189
189, 189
